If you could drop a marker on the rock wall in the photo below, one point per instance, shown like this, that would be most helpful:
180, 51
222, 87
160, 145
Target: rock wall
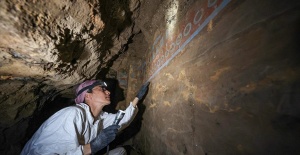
224, 73
47, 48
224, 77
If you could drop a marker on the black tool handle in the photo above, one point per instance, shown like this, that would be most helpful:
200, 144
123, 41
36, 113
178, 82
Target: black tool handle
119, 116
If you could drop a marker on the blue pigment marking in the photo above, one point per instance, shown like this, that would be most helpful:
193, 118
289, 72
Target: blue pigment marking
210, 17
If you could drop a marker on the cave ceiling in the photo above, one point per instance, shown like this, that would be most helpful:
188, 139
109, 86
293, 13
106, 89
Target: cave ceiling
47, 47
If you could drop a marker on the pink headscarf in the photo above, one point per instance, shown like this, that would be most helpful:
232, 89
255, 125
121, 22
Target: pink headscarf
80, 97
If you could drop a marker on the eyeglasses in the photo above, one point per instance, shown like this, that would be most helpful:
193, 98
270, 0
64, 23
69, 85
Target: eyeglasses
104, 89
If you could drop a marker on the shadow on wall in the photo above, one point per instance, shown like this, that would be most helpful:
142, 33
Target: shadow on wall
40, 116
288, 110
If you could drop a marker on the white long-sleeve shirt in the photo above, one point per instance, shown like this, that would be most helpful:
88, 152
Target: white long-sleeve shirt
69, 129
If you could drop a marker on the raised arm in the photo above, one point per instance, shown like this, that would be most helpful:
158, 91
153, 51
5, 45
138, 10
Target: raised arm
140, 93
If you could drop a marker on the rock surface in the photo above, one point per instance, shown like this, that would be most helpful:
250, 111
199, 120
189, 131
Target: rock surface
224, 73
47, 47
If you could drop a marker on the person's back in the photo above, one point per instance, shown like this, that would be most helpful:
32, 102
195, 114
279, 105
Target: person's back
53, 136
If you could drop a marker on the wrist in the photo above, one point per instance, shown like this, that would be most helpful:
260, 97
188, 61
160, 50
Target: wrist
87, 149
135, 101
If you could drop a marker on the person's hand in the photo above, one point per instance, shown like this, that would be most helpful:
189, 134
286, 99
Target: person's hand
106, 136
142, 91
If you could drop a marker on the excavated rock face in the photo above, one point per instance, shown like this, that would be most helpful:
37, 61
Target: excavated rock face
47, 47
224, 73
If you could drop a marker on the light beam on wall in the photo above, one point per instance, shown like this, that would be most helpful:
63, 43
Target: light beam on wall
179, 32
171, 18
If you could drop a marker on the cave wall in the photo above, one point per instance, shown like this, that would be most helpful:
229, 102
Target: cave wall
224, 73
224, 77
50, 47
47, 48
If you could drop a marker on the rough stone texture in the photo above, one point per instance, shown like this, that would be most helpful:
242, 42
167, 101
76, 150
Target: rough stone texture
47, 47
232, 89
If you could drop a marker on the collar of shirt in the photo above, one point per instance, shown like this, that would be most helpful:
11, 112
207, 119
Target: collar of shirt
89, 114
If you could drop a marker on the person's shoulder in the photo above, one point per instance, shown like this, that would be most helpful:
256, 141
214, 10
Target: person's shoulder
74, 109
68, 116
72, 112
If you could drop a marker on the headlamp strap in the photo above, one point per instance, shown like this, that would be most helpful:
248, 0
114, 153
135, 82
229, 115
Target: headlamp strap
98, 83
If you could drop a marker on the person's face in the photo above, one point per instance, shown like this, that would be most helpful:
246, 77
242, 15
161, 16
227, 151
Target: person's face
100, 95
